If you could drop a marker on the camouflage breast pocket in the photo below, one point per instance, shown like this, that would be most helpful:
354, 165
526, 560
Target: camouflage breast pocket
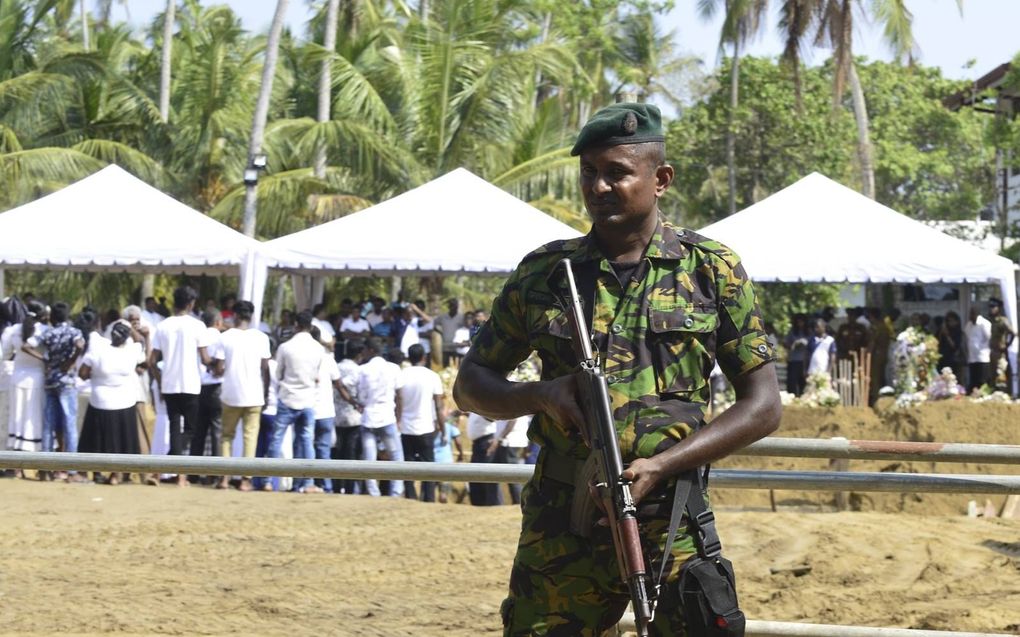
548, 330
681, 342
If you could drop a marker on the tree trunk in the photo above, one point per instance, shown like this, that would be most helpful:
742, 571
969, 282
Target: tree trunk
258, 127
540, 93
731, 142
164, 72
84, 26
864, 150
325, 80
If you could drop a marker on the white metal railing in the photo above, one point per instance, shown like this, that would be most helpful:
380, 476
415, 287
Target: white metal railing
478, 472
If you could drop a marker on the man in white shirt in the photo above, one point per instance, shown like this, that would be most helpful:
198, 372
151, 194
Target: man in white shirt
420, 415
325, 412
462, 337
326, 331
374, 316
210, 410
354, 326
510, 446
482, 431
180, 344
150, 314
448, 324
978, 331
822, 350
348, 419
377, 390
298, 361
243, 363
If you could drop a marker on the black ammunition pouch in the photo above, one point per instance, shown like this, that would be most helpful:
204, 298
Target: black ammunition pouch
708, 595
707, 586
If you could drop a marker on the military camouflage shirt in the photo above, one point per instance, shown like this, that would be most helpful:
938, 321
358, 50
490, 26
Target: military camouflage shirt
660, 335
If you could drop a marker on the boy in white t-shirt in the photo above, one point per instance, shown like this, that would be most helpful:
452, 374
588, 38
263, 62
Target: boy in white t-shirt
325, 411
180, 345
243, 364
420, 415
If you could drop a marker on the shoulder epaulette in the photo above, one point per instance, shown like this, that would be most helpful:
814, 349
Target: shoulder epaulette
553, 247
701, 242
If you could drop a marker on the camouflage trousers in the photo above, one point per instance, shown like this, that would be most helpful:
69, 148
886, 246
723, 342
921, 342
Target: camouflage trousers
563, 585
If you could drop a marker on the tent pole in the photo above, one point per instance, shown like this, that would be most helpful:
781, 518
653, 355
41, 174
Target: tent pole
2, 295
318, 289
281, 282
396, 287
965, 292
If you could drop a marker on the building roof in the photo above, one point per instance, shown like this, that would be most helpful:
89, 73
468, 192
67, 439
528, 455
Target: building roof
990, 80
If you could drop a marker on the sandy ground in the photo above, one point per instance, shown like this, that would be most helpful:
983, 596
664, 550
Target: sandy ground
133, 560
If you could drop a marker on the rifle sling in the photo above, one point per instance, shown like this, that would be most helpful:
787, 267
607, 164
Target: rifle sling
689, 497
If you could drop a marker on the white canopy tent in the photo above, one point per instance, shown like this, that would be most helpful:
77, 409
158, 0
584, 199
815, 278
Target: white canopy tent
817, 230
457, 223
111, 221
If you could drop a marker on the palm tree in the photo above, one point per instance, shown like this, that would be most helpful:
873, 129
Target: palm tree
166, 61
742, 21
834, 22
325, 79
262, 111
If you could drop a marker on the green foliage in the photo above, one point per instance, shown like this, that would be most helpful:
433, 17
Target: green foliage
775, 144
930, 163
780, 301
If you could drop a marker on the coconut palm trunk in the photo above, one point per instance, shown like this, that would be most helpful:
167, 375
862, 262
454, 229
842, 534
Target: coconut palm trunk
326, 80
864, 150
258, 128
149, 280
164, 69
84, 26
731, 141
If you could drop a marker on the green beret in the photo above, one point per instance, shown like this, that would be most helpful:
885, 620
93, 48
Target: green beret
620, 124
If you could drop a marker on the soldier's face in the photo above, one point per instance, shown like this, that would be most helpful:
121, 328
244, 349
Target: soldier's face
621, 185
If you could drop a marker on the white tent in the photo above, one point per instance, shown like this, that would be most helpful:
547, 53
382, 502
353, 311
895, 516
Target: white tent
112, 221
456, 223
819, 230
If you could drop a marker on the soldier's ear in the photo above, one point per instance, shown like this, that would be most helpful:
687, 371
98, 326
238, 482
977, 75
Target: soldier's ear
663, 178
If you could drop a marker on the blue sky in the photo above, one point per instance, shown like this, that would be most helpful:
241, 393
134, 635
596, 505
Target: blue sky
985, 33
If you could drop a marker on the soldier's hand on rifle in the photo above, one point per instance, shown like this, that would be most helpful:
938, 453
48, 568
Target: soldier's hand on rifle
644, 475
558, 399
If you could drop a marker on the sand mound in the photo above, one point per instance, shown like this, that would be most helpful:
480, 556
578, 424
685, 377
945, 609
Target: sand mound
132, 560
944, 421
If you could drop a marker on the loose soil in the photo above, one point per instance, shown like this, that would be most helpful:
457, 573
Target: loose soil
134, 560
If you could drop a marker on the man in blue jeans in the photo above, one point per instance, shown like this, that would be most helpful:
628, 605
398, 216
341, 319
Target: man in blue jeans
297, 368
64, 343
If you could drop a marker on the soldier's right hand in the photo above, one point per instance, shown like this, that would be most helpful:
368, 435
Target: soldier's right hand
559, 400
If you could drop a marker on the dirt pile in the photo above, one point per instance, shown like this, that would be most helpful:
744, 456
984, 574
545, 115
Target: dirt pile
132, 560
944, 421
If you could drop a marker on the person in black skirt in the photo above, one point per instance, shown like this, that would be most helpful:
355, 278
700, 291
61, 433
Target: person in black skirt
111, 424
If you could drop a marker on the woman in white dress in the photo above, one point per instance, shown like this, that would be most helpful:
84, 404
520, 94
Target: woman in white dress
24, 431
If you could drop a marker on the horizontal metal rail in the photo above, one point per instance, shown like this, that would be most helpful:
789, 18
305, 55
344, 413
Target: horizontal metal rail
796, 629
882, 450
477, 472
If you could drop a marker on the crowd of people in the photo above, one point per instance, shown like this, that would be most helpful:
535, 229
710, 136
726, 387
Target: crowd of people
974, 350
175, 380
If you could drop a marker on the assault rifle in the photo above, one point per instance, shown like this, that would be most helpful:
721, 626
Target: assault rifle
614, 491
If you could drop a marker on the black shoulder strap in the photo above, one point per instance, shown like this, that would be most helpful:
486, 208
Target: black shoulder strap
690, 497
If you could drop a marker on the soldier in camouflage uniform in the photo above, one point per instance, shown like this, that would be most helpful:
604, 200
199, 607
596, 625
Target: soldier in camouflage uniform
1002, 336
664, 305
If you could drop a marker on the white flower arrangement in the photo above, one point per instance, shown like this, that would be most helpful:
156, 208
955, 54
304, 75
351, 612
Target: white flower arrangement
945, 386
818, 392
